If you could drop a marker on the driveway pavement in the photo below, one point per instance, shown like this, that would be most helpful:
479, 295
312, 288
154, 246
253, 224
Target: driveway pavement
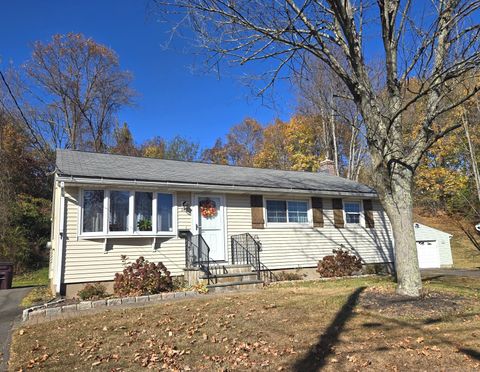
9, 311
452, 272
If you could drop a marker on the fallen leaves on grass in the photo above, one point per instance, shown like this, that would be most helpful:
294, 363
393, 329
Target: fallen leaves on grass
269, 330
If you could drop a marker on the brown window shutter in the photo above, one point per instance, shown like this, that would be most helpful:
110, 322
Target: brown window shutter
368, 211
256, 205
338, 221
317, 208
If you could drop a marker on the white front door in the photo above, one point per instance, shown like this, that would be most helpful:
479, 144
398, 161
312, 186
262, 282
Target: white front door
210, 223
428, 254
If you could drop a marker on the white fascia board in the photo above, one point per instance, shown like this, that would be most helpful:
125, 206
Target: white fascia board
106, 182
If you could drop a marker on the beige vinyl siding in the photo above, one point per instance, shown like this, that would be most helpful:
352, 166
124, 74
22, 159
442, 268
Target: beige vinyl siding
87, 260
291, 247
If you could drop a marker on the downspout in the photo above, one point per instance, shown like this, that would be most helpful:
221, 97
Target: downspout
60, 241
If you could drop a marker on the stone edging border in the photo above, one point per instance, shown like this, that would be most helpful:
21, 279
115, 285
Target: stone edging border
44, 311
40, 312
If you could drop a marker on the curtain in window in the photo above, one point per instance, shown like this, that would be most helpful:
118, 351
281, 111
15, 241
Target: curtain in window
92, 211
119, 210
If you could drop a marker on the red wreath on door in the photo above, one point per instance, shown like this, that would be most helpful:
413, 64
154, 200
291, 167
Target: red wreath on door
208, 208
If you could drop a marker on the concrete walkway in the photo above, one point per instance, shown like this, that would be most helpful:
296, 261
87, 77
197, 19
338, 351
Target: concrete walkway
9, 311
472, 273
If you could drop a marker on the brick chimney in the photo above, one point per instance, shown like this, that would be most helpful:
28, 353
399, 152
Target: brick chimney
327, 166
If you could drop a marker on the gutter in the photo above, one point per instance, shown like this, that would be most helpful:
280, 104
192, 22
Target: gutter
87, 181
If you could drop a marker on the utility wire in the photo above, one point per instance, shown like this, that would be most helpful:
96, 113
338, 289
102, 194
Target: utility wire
30, 128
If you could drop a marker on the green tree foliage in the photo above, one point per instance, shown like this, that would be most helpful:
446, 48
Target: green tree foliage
24, 197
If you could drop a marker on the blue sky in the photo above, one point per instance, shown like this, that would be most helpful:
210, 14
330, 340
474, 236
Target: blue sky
172, 99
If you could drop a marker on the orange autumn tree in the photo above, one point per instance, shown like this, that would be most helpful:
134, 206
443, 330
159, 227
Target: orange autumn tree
293, 145
443, 177
274, 152
442, 174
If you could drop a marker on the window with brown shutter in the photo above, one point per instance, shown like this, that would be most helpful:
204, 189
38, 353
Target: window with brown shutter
368, 211
317, 208
256, 206
338, 221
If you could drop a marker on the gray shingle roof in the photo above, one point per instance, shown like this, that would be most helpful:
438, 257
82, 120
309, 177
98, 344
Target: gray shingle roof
96, 165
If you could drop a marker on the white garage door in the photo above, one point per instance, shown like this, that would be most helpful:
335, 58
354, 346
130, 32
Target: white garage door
428, 254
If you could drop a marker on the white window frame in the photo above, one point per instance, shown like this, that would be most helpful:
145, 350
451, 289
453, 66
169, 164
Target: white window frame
361, 221
174, 214
130, 216
81, 210
309, 223
131, 232
154, 214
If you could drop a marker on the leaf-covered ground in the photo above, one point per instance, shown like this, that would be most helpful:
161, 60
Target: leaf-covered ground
354, 324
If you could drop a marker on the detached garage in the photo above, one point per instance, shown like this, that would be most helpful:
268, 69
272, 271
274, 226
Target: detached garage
433, 247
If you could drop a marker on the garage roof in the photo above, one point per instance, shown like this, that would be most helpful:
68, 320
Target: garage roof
424, 232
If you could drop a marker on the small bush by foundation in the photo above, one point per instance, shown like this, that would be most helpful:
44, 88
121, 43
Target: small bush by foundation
143, 278
341, 263
285, 275
94, 291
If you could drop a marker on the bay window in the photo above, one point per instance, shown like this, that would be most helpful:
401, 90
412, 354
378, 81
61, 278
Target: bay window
287, 211
92, 211
119, 211
126, 213
143, 211
164, 212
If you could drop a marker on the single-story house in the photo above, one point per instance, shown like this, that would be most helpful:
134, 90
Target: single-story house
433, 247
192, 215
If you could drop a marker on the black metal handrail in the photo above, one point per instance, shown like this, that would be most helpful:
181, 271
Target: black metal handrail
197, 253
246, 251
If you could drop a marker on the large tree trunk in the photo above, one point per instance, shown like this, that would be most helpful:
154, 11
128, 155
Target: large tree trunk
398, 204
473, 158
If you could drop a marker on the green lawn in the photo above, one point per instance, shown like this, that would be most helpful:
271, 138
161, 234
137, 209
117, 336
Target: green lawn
31, 278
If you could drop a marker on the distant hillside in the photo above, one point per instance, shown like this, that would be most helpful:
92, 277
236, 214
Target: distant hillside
465, 255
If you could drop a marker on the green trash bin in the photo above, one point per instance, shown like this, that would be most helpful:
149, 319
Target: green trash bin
6, 275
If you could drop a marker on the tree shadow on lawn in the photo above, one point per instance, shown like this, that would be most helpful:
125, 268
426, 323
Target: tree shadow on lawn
428, 278
316, 357
470, 352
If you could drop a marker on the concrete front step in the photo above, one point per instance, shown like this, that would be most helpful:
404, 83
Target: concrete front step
230, 269
230, 277
232, 286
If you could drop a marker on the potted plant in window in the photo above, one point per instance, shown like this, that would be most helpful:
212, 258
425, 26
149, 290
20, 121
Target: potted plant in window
145, 224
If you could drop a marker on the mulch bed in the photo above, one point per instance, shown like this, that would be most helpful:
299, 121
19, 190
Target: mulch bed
429, 304
67, 301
